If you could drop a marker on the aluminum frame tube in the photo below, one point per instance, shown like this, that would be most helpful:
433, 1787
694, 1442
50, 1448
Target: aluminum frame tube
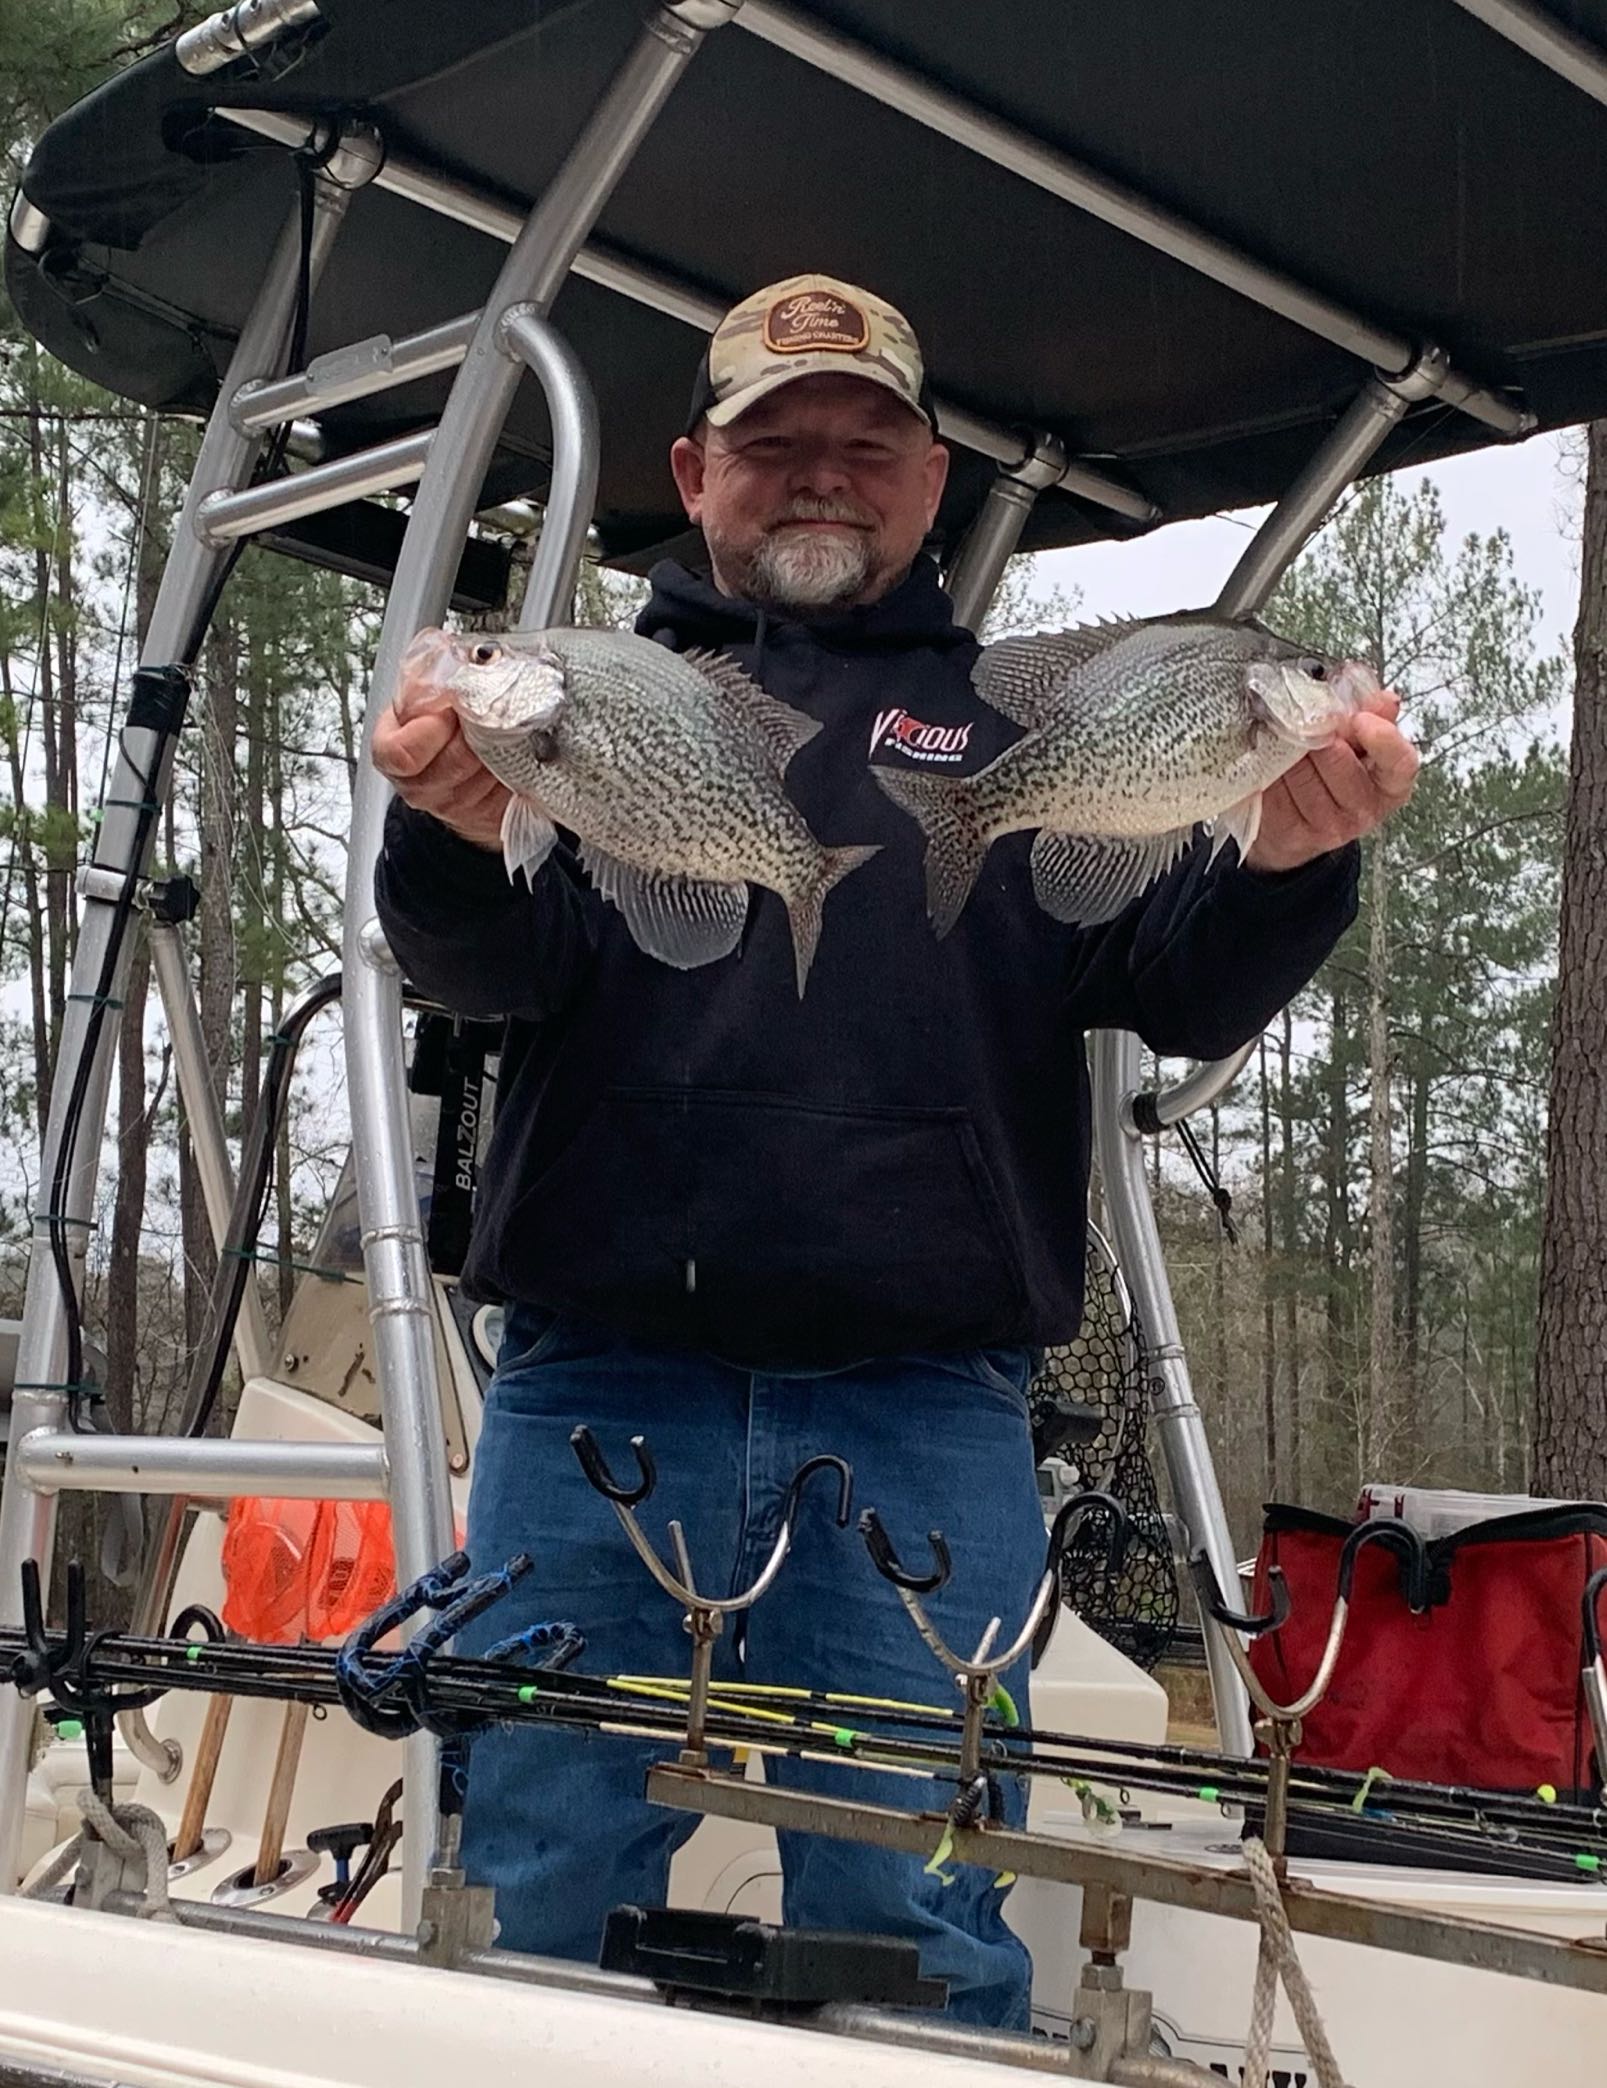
1377, 407
549, 596
252, 1346
1197, 1090
224, 516
1558, 48
1110, 201
401, 1298
372, 365
995, 531
1178, 1421
200, 1467
652, 287
27, 1518
235, 32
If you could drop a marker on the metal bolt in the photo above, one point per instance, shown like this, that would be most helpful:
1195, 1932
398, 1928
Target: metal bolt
1082, 2035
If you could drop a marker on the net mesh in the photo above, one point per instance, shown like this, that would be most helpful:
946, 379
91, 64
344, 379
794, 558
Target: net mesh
1105, 1370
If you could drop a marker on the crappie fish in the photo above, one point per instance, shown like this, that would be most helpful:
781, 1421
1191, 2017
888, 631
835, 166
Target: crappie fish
667, 768
1137, 733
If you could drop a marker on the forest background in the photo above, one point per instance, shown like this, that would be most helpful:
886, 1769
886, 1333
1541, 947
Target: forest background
1385, 1149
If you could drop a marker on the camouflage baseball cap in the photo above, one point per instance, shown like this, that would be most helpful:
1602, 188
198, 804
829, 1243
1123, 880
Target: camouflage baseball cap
808, 326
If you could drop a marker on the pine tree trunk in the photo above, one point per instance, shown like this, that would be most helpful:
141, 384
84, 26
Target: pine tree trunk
25, 854
1289, 1245
1570, 1403
1336, 1212
1377, 1429
1269, 1323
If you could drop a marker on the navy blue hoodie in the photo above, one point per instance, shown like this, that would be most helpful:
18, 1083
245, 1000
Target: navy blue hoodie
899, 1160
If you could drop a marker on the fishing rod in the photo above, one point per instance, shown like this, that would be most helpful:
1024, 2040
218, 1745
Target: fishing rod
523, 1680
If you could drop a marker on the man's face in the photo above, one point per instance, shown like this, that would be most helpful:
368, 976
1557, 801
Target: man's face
818, 497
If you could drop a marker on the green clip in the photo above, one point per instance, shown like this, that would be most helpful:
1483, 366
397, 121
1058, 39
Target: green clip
1585, 1861
192, 1654
1005, 1704
71, 1729
528, 1692
845, 1736
1375, 1775
940, 1855
1209, 1794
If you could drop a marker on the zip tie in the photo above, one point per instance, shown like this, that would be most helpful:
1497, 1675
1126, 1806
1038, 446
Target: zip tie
65, 1218
89, 1390
98, 1000
1375, 1775
132, 804
277, 1261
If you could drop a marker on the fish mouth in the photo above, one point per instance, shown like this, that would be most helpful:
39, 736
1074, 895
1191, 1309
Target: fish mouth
428, 658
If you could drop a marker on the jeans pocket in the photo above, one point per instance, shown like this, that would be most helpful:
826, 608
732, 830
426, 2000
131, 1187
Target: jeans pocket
1007, 1371
528, 1333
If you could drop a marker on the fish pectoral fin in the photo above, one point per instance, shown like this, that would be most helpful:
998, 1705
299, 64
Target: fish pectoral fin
782, 729
1025, 677
682, 921
527, 838
1088, 878
1240, 823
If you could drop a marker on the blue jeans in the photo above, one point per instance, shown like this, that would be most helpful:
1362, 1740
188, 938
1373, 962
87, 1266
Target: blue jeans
557, 1821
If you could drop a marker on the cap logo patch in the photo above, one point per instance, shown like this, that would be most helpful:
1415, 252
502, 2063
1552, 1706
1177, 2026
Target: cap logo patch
814, 319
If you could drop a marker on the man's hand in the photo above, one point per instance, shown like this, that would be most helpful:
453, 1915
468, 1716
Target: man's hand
423, 752
1340, 792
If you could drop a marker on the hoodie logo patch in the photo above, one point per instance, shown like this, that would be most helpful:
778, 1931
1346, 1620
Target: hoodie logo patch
899, 733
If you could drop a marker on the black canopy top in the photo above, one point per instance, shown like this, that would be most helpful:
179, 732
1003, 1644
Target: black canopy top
1396, 156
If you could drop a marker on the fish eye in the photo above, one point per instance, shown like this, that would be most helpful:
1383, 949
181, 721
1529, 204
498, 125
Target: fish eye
484, 653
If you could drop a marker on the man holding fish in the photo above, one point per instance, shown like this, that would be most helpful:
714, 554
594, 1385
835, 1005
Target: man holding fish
772, 1177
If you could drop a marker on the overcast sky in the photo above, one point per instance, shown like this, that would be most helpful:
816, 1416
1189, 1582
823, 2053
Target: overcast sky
1531, 489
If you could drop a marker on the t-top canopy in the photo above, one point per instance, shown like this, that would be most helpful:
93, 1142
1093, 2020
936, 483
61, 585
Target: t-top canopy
1354, 180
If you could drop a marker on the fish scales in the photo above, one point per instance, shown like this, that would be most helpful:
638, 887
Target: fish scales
1137, 734
667, 768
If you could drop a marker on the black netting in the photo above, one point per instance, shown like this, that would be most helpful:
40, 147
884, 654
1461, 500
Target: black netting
1096, 1389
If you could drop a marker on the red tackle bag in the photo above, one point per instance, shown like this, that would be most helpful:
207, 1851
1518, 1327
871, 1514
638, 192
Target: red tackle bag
1481, 1686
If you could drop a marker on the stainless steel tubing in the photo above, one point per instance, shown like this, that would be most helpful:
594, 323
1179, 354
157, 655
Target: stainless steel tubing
401, 1302
1178, 1420
56, 1460
1108, 200
224, 516
572, 496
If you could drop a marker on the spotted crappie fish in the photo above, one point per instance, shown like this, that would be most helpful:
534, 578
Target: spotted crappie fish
1137, 733
667, 767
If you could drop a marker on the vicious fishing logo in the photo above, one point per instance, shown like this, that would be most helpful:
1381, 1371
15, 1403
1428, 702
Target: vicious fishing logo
898, 731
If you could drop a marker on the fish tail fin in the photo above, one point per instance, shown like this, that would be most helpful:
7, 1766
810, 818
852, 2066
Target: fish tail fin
804, 912
946, 811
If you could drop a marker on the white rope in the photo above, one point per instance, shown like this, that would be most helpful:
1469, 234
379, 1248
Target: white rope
1279, 1959
134, 1833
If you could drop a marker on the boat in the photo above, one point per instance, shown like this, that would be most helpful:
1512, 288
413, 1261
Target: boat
420, 268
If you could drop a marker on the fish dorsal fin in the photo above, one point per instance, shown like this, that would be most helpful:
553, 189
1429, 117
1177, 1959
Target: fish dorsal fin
682, 921
1025, 677
782, 729
1088, 878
